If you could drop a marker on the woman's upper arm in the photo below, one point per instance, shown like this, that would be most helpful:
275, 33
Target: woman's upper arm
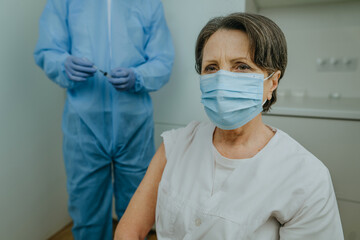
139, 216
318, 218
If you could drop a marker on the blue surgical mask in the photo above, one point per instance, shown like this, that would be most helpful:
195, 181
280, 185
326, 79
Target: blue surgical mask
232, 99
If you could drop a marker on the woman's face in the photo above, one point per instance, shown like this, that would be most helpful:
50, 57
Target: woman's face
230, 50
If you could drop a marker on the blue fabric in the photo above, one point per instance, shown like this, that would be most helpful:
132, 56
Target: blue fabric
105, 128
122, 78
231, 99
78, 69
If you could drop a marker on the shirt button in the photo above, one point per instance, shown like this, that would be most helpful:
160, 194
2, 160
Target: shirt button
198, 222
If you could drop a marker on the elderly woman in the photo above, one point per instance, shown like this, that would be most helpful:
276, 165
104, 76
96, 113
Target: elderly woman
235, 178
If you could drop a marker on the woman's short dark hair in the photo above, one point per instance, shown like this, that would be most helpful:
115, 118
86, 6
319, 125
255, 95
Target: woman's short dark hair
267, 42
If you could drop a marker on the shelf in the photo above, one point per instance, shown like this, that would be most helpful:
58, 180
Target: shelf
288, 3
343, 108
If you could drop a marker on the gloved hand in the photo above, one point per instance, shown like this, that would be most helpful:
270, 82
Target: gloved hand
122, 78
78, 69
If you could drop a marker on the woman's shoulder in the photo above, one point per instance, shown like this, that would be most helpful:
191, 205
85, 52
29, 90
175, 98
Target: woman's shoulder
308, 179
294, 153
186, 132
183, 139
179, 140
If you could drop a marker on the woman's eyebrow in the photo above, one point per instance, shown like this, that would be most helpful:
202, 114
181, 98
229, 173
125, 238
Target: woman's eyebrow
239, 59
210, 61
231, 60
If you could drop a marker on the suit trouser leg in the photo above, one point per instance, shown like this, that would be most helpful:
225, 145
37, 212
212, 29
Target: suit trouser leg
89, 185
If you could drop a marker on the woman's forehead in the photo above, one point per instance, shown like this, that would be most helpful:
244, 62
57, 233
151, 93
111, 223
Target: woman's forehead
227, 43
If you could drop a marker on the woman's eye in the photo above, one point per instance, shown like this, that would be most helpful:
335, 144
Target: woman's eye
210, 68
243, 67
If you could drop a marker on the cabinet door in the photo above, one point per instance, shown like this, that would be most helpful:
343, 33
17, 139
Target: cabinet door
350, 218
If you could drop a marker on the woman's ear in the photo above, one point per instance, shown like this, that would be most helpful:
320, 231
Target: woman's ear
274, 83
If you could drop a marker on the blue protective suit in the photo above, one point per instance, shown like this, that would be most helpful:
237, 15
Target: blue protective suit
105, 129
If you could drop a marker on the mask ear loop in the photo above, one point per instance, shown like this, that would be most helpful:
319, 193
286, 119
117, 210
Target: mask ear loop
265, 80
269, 76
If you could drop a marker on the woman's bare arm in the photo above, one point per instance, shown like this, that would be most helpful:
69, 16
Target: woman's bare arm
139, 216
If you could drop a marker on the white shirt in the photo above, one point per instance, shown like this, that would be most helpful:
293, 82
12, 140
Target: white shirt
283, 192
223, 167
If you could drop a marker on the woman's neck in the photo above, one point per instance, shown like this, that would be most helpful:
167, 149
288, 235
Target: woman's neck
243, 142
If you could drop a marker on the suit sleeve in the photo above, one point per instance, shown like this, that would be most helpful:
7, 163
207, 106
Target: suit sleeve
53, 44
159, 51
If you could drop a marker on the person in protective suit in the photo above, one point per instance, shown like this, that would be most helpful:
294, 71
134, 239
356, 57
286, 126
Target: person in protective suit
108, 55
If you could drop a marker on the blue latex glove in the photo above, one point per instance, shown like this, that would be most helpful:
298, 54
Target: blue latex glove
78, 69
122, 78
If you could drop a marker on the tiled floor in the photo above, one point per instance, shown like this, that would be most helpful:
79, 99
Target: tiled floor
65, 234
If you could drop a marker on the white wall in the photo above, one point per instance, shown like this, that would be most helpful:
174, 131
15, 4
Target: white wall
178, 102
33, 199
312, 31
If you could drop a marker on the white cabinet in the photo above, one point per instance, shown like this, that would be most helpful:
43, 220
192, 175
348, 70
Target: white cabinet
350, 214
294, 3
